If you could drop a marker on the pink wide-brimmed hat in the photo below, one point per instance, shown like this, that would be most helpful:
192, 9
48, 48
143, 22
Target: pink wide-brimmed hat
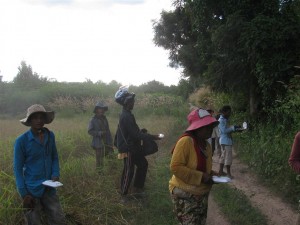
200, 118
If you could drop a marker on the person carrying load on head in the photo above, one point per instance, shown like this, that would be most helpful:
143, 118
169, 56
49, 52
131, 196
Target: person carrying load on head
128, 141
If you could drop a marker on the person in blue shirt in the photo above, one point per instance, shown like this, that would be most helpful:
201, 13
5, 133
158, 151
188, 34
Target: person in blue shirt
35, 161
225, 140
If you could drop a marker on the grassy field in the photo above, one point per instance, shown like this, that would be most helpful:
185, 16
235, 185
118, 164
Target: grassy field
87, 197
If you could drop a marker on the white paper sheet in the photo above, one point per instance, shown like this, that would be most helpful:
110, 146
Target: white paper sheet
222, 179
51, 183
161, 135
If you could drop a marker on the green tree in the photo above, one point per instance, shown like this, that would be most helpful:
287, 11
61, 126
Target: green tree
151, 87
234, 46
174, 32
26, 78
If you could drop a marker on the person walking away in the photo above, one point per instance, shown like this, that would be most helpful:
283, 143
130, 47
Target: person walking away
98, 128
191, 168
294, 162
128, 141
35, 161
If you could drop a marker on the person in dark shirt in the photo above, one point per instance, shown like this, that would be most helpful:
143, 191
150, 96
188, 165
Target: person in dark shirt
99, 129
128, 141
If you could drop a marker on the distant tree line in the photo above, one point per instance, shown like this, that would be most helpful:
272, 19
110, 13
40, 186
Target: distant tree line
28, 87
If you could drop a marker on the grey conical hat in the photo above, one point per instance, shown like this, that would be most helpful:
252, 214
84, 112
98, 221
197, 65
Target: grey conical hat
37, 108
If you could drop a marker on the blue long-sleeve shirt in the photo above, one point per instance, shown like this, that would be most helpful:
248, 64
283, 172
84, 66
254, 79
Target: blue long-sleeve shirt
35, 162
225, 131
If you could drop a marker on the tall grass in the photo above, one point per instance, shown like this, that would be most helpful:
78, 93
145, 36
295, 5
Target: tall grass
90, 198
266, 149
87, 197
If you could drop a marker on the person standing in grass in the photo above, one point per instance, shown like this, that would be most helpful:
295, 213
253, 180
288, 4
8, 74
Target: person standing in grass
191, 166
35, 161
98, 128
294, 162
128, 141
226, 141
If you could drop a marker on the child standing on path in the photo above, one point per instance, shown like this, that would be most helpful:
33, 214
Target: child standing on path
226, 141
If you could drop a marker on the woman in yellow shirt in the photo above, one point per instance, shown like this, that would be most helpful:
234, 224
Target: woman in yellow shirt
191, 166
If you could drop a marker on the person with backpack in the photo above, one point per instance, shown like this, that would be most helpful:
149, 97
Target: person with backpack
128, 142
191, 168
35, 161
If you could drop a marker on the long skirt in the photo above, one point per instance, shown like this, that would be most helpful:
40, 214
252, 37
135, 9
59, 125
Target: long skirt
190, 209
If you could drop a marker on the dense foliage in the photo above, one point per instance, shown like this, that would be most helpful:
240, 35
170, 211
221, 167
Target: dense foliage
248, 47
245, 54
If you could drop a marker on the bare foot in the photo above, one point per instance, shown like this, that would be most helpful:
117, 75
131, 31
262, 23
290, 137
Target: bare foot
230, 176
222, 174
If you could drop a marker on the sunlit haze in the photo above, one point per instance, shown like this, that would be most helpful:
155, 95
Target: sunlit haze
79, 40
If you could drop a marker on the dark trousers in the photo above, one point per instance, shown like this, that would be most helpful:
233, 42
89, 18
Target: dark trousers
99, 157
50, 205
140, 162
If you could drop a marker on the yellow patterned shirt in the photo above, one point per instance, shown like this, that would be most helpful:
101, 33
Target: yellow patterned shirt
184, 168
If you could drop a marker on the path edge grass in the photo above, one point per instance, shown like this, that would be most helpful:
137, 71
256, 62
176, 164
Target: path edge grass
236, 206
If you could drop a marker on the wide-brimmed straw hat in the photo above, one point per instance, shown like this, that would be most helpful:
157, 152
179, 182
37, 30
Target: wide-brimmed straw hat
36, 108
200, 118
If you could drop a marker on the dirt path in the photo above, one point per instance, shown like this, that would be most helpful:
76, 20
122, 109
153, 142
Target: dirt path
276, 211
214, 215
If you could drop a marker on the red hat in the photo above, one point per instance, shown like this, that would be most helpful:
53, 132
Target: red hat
200, 118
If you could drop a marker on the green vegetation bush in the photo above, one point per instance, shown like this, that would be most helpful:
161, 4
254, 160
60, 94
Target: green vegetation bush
267, 145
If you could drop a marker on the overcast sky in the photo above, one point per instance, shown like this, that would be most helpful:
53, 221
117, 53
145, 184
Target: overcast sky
76, 40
